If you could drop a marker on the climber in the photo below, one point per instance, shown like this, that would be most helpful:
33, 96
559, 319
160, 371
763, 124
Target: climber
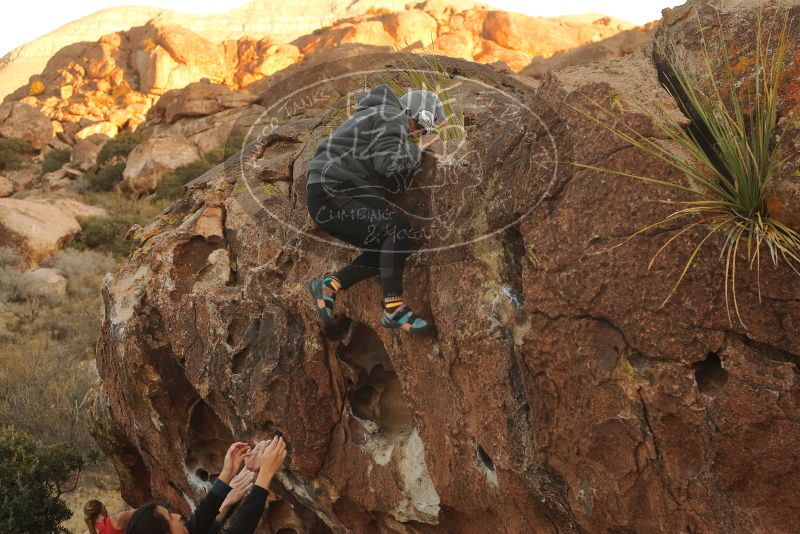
98, 520
349, 177
155, 518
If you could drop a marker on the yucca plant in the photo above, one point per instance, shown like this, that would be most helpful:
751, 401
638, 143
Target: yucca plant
417, 71
732, 155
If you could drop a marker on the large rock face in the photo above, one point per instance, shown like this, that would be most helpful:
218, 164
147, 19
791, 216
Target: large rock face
557, 394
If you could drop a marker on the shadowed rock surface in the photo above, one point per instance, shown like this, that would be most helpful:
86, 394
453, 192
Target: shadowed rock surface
557, 393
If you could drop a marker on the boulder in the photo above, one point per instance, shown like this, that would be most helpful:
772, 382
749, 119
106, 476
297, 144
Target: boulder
198, 99
45, 282
213, 131
73, 208
559, 392
84, 155
7, 187
56, 180
35, 229
411, 26
106, 128
150, 160
539, 36
22, 121
617, 45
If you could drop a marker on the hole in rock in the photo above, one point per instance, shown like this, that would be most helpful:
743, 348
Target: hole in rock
282, 518
377, 395
207, 441
189, 259
709, 374
514, 255
485, 459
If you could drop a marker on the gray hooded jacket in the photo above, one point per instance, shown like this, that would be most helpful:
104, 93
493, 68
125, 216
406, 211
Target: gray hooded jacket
369, 152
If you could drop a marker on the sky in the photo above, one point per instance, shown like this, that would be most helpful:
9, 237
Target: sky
25, 20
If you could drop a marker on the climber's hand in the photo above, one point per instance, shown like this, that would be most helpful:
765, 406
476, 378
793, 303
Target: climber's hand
427, 140
271, 460
233, 461
252, 458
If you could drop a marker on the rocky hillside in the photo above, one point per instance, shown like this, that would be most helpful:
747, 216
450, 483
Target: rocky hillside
256, 19
107, 85
557, 394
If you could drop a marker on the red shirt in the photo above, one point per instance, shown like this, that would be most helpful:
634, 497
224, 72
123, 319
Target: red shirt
105, 527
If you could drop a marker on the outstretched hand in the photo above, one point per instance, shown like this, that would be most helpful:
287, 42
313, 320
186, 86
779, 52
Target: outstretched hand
252, 458
233, 460
427, 140
270, 461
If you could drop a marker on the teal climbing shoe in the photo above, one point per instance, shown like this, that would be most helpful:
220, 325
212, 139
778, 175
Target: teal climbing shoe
404, 319
324, 296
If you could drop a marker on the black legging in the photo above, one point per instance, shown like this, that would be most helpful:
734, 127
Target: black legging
369, 223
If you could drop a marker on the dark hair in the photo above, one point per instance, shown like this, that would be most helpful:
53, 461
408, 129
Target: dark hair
145, 520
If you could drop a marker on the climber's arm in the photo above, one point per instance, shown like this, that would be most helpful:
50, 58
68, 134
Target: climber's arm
249, 512
206, 511
392, 156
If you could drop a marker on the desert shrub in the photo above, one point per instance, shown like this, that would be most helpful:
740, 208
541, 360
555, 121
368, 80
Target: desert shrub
732, 153
106, 178
81, 264
422, 72
48, 352
121, 146
104, 233
9, 257
36, 87
13, 153
12, 286
55, 159
171, 185
84, 269
35, 476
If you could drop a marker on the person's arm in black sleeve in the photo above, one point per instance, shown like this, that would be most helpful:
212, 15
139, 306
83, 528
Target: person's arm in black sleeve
207, 510
392, 156
248, 513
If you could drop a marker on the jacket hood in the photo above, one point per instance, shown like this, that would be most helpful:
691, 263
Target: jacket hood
379, 96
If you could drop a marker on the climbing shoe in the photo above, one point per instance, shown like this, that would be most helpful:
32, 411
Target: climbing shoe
403, 318
323, 291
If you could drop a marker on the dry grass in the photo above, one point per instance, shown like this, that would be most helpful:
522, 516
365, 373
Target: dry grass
423, 71
47, 364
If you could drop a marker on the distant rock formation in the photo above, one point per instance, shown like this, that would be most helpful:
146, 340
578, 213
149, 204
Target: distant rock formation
109, 85
617, 45
280, 21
